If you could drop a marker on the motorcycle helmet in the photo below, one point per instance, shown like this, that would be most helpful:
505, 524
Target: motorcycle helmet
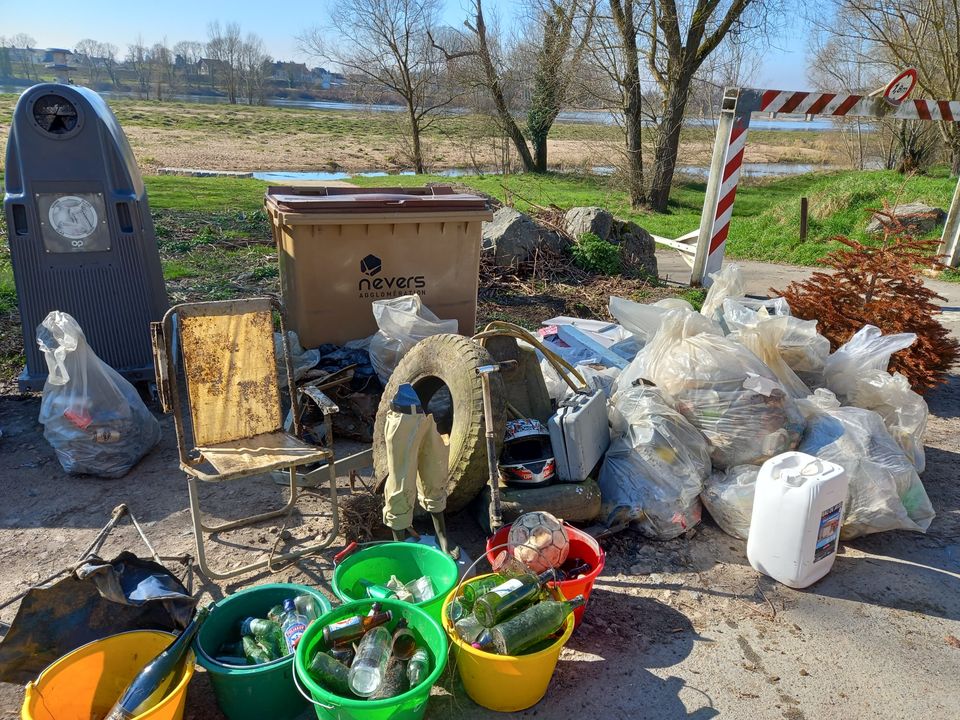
527, 458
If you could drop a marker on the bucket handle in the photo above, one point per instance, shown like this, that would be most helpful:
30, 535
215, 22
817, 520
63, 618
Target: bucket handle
296, 681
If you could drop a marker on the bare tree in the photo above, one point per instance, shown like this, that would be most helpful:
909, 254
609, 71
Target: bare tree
224, 49
6, 65
138, 58
87, 52
920, 33
254, 63
22, 45
554, 45
161, 68
108, 57
386, 43
186, 55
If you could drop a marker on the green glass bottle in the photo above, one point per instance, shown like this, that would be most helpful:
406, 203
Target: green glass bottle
331, 674
532, 625
475, 590
267, 633
254, 652
153, 683
510, 597
378, 592
468, 628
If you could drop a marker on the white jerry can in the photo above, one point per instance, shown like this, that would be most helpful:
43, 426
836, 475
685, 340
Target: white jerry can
797, 513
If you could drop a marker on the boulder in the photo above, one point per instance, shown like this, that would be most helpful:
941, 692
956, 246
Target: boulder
637, 249
579, 220
512, 237
916, 217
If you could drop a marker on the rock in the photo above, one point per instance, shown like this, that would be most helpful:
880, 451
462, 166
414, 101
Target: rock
579, 220
512, 237
638, 250
916, 217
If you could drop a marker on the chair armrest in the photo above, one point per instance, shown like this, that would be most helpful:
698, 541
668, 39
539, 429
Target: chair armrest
320, 399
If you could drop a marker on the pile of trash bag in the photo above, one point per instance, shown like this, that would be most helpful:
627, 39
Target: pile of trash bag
93, 418
403, 322
728, 497
656, 467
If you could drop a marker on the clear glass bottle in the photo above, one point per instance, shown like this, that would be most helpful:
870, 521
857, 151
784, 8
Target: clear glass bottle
373, 654
418, 667
294, 625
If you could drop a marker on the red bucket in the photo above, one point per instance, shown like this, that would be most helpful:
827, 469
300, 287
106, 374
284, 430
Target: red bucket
581, 546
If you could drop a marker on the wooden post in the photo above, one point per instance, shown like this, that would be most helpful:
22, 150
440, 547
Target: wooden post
803, 219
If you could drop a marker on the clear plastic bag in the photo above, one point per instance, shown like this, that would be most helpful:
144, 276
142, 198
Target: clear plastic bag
728, 497
868, 349
885, 491
642, 320
403, 322
903, 411
728, 282
303, 360
93, 418
656, 467
724, 390
802, 348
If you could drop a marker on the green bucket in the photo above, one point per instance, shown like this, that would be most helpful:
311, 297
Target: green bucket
252, 692
408, 561
412, 704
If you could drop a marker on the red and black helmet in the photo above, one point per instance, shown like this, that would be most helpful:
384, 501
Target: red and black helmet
527, 457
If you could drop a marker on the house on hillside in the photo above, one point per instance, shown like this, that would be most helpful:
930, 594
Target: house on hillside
326, 79
209, 67
292, 74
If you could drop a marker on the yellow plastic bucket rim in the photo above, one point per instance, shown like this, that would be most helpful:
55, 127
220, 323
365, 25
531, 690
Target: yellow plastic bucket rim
32, 685
552, 649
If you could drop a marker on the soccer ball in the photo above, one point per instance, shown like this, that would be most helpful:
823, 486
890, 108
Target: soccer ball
539, 541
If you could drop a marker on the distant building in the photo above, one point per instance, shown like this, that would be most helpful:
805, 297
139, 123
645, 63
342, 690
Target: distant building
291, 73
209, 67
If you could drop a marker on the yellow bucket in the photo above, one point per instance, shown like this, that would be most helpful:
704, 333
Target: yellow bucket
502, 682
87, 682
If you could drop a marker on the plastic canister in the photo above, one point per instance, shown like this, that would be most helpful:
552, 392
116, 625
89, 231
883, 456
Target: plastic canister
797, 513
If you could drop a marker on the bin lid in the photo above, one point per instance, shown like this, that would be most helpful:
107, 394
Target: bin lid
366, 200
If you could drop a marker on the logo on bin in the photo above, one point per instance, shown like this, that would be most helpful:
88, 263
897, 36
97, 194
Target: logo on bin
371, 265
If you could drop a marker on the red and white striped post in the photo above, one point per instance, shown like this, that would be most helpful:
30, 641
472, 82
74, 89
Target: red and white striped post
728, 149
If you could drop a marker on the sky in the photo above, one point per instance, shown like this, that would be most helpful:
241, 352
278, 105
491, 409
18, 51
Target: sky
783, 67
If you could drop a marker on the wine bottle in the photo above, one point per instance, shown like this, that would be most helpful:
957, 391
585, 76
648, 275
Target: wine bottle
532, 625
353, 627
510, 597
373, 654
418, 667
267, 633
468, 628
377, 591
331, 673
254, 652
473, 591
154, 682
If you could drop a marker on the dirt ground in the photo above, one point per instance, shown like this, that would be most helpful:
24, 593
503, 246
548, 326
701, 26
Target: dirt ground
680, 629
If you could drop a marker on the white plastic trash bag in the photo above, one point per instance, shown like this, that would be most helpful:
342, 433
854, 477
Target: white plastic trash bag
885, 491
302, 360
642, 320
868, 349
763, 340
724, 390
802, 348
93, 418
903, 411
656, 467
728, 497
728, 282
403, 322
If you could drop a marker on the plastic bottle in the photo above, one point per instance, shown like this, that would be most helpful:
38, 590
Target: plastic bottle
294, 625
354, 627
418, 667
532, 625
403, 643
510, 597
331, 674
798, 510
265, 632
254, 653
153, 683
373, 654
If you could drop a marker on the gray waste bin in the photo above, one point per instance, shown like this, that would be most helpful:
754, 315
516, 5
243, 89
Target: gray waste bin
80, 232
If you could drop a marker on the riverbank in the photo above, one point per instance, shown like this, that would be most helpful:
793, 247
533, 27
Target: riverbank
252, 138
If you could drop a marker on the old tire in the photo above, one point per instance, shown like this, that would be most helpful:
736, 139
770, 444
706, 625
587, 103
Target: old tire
450, 360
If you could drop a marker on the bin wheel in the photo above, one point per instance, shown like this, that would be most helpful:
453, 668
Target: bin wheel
451, 361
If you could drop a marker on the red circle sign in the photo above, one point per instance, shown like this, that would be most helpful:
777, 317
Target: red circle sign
900, 87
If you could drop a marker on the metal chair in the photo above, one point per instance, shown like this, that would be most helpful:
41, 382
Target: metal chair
227, 353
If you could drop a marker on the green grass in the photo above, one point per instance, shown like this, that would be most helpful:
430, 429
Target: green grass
225, 194
766, 217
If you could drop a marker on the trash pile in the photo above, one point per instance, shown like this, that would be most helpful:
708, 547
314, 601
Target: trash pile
698, 401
